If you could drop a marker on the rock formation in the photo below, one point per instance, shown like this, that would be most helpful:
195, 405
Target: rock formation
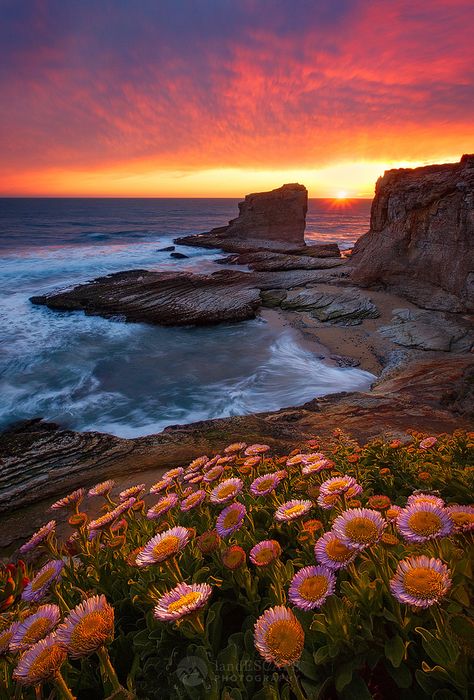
421, 237
267, 220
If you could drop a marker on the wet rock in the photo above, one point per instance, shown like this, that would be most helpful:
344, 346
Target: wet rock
272, 298
421, 238
168, 249
347, 307
179, 256
164, 298
344, 361
428, 330
267, 220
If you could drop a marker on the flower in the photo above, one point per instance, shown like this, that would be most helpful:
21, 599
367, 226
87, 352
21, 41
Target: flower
338, 485
88, 627
211, 463
312, 526
6, 636
159, 486
213, 473
163, 546
231, 519
35, 627
173, 474
163, 506
72, 499
253, 450
330, 551
132, 492
197, 463
316, 467
326, 501
265, 484
385, 471
38, 537
208, 542
311, 586
359, 528
226, 491
193, 500
181, 601
251, 462
229, 459
295, 460
279, 637
379, 502
234, 557
393, 512
39, 585
462, 517
427, 443
420, 497
420, 581
41, 662
235, 447
292, 510
265, 552
102, 489
423, 521
313, 457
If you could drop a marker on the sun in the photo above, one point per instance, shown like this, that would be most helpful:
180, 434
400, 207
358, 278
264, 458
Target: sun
341, 195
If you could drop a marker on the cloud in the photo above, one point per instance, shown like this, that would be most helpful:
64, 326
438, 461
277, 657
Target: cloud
263, 84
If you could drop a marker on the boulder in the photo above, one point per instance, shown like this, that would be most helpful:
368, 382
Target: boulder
267, 220
266, 260
346, 307
421, 237
428, 330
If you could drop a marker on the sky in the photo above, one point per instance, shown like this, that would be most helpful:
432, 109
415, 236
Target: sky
206, 98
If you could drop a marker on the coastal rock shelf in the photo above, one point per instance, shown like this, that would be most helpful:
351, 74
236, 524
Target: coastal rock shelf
272, 220
421, 238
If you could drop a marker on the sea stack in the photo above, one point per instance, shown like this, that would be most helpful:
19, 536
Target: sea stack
272, 220
421, 237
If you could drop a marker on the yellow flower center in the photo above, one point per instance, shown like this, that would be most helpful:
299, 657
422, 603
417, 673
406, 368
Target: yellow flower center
193, 499
46, 663
295, 510
285, 641
166, 547
37, 630
93, 630
313, 587
264, 556
361, 530
42, 579
462, 519
337, 551
226, 490
265, 484
336, 485
231, 518
186, 599
425, 523
423, 583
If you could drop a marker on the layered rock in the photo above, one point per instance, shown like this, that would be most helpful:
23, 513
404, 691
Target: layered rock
268, 260
421, 237
267, 220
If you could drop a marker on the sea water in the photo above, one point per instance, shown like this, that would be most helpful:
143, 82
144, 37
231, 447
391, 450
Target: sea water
89, 373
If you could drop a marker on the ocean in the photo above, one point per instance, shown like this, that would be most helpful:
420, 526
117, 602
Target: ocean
89, 373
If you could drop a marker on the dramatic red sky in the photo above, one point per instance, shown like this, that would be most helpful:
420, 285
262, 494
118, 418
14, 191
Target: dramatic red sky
224, 97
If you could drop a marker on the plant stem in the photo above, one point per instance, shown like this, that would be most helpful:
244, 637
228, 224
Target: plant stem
295, 686
108, 669
64, 691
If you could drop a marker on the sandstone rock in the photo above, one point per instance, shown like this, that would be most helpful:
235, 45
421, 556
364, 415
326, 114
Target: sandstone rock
269, 260
178, 256
428, 330
347, 307
422, 229
267, 220
323, 250
164, 298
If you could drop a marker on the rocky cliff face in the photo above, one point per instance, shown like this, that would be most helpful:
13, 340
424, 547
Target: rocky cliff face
274, 220
421, 238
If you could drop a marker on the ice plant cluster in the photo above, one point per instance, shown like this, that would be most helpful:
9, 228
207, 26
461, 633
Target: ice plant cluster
337, 570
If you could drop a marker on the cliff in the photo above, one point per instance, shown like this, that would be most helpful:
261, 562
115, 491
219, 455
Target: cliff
267, 220
421, 237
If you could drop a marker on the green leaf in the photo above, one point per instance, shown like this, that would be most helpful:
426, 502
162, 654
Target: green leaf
395, 650
321, 655
356, 690
402, 675
344, 676
307, 667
